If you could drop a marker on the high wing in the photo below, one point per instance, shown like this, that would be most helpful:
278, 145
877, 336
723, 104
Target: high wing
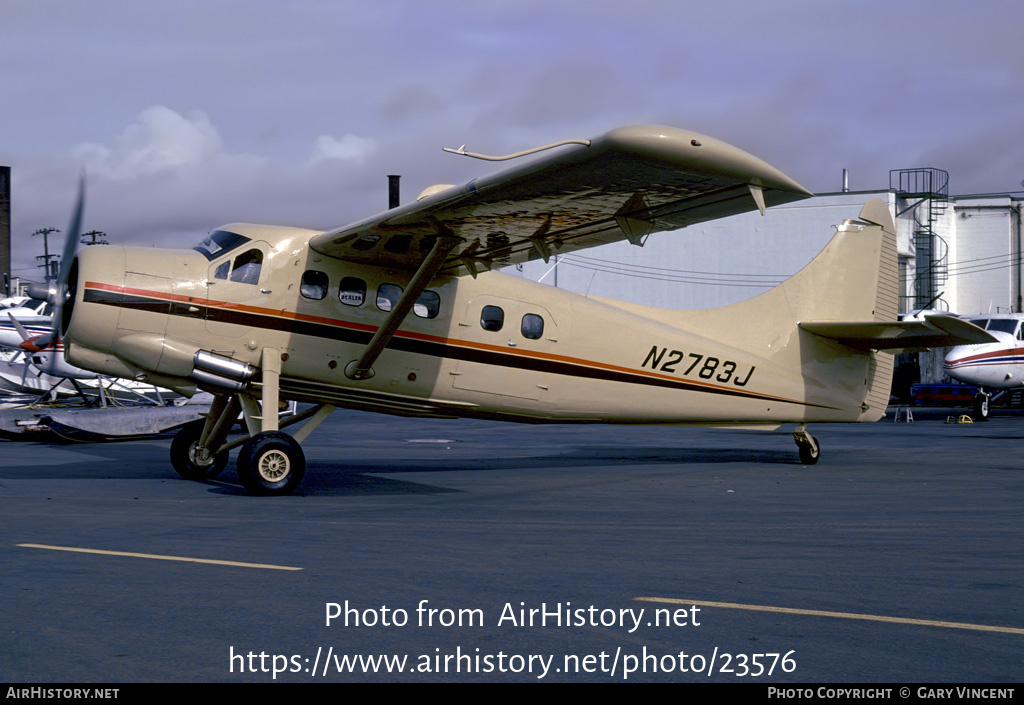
935, 331
626, 184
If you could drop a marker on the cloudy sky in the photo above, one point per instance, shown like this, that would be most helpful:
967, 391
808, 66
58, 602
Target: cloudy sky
189, 114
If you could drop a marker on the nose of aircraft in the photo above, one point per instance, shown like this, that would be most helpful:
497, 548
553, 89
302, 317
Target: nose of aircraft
982, 364
95, 281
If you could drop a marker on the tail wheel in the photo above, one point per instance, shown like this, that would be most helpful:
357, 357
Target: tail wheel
807, 446
189, 461
271, 463
809, 454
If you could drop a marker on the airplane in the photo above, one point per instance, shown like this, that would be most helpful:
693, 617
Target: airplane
32, 361
405, 312
997, 365
23, 323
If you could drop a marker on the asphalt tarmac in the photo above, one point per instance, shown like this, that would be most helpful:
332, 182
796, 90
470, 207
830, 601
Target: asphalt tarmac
427, 551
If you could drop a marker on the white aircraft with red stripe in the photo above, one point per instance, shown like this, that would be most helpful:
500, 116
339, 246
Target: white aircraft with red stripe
998, 365
25, 328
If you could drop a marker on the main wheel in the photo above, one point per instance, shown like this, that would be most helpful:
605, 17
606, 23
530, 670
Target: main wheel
190, 464
271, 463
981, 406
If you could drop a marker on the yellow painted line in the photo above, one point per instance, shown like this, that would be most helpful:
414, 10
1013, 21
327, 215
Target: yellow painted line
157, 557
835, 615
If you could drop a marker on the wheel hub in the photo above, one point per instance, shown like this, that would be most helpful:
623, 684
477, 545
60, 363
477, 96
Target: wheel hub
273, 465
199, 456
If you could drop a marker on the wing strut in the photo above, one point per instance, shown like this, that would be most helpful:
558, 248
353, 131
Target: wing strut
445, 243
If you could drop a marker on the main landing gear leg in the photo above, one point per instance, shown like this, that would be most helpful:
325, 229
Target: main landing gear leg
807, 445
272, 462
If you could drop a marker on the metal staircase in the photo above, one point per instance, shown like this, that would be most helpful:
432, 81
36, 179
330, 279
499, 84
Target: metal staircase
926, 192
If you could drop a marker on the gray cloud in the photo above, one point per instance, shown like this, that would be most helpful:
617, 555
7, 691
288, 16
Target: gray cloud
188, 115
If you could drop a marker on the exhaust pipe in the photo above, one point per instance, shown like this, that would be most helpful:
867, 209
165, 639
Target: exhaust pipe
221, 372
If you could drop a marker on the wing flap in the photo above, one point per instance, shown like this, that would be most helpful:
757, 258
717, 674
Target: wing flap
624, 185
935, 331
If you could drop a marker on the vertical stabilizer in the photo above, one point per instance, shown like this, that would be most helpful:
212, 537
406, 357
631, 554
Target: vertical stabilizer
854, 278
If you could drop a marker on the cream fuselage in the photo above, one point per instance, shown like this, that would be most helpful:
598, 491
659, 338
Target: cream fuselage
143, 313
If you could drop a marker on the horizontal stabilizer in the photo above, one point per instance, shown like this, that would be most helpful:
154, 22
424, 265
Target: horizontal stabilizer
935, 331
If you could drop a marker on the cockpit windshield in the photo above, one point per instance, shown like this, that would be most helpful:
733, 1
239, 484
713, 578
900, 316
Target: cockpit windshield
219, 242
1003, 325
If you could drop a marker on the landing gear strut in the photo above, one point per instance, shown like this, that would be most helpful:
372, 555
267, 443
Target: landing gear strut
270, 462
807, 445
981, 400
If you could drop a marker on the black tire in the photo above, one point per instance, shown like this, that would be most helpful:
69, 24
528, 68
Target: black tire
809, 453
271, 463
981, 400
183, 455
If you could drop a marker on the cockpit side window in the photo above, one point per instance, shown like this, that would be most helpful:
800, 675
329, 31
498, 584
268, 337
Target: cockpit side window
247, 267
220, 242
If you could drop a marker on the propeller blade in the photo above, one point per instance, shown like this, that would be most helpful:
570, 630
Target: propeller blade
73, 235
24, 369
25, 335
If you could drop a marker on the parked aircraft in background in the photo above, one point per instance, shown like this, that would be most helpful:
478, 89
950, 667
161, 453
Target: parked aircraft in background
32, 361
23, 323
400, 313
997, 365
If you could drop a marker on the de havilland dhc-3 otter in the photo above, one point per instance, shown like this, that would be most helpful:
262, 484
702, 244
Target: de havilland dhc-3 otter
403, 313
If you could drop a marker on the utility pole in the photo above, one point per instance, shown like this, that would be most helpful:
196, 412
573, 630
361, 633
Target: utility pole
97, 238
49, 269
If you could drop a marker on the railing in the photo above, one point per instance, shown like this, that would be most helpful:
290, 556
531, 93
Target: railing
926, 181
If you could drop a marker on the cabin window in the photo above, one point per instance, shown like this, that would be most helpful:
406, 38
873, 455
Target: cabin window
492, 318
352, 291
428, 305
222, 271
247, 267
388, 296
533, 326
314, 284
